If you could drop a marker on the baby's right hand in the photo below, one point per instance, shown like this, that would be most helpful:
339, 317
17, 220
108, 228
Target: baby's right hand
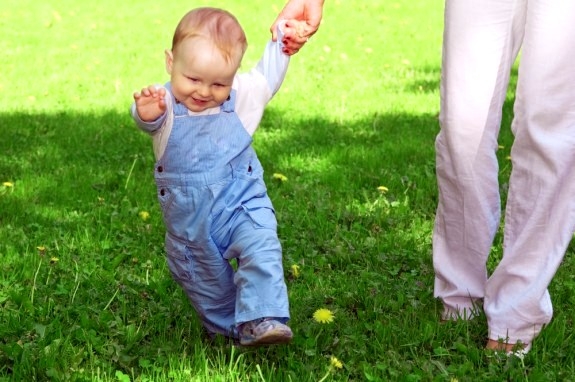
295, 35
150, 103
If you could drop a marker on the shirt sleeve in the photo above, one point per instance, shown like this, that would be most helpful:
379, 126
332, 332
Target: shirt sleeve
257, 87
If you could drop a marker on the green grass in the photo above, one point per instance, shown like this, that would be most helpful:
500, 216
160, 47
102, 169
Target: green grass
85, 293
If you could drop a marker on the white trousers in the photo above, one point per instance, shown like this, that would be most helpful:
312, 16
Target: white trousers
482, 39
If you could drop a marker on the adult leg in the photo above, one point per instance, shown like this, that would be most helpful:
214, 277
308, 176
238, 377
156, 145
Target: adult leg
481, 42
540, 214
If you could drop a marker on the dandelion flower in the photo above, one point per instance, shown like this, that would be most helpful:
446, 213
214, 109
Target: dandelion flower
54, 260
382, 189
295, 270
144, 215
323, 316
336, 363
280, 177
8, 184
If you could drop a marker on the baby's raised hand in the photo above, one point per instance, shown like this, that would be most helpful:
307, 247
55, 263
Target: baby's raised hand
150, 103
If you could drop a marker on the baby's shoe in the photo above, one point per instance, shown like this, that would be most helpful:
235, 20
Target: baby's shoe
264, 331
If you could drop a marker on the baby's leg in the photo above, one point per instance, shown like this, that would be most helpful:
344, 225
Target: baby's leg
261, 289
262, 308
207, 279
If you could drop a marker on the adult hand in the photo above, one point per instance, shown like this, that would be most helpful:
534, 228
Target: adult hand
302, 21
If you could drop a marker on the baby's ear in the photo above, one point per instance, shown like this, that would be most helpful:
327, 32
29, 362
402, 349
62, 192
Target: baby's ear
169, 61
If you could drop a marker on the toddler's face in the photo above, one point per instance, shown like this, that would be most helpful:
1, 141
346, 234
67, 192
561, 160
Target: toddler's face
201, 78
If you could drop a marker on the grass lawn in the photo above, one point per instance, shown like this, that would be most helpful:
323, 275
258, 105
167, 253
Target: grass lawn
85, 294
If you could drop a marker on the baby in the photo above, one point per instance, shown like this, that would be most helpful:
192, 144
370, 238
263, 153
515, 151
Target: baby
210, 182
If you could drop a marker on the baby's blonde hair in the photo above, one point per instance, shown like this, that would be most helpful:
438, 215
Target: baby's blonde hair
216, 25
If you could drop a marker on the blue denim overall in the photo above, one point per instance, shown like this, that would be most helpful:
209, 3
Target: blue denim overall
216, 208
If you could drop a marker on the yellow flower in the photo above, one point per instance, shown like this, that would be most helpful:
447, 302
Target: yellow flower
335, 362
295, 270
8, 184
280, 177
323, 316
144, 215
54, 260
382, 189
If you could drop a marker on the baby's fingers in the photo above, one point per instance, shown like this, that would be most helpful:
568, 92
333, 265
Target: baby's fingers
151, 93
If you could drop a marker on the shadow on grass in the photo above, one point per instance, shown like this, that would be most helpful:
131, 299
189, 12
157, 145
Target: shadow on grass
68, 161
80, 181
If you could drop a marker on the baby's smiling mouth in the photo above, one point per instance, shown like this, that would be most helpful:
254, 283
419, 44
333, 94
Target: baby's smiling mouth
200, 101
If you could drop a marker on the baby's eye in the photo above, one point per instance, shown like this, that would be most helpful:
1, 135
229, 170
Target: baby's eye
193, 79
220, 85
